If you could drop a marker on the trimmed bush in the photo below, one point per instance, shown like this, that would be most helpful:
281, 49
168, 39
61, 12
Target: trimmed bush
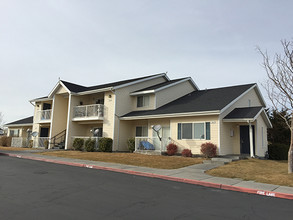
172, 149
131, 144
78, 144
5, 141
186, 153
278, 151
89, 145
105, 144
208, 149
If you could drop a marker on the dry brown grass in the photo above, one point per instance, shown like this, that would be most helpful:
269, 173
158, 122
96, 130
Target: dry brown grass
154, 161
264, 171
16, 148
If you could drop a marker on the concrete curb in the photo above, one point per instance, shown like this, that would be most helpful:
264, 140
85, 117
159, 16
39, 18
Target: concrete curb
176, 179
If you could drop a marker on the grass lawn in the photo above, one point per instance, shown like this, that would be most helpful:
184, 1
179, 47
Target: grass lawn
16, 148
154, 161
264, 171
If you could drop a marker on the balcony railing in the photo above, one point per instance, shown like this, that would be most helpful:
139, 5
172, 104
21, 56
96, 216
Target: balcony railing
44, 115
41, 142
95, 111
151, 143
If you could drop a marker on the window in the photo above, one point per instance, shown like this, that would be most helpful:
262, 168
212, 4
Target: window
199, 131
141, 131
14, 133
143, 101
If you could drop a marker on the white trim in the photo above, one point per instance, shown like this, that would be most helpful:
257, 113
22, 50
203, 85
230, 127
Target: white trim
141, 80
114, 117
165, 87
142, 92
95, 91
40, 99
268, 120
239, 120
219, 135
18, 125
68, 120
239, 97
261, 97
57, 87
172, 115
51, 125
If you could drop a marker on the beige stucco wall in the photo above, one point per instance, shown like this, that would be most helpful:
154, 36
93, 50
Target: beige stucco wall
231, 145
61, 90
194, 145
124, 102
167, 95
59, 114
21, 129
152, 103
261, 136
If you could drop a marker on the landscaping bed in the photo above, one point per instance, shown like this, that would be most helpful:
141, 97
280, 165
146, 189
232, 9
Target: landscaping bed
153, 161
264, 171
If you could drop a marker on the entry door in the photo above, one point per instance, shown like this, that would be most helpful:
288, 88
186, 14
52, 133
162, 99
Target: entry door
244, 140
44, 132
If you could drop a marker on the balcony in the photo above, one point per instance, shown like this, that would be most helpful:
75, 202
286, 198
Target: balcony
88, 112
44, 116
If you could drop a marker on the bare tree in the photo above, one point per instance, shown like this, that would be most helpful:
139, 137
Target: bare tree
279, 87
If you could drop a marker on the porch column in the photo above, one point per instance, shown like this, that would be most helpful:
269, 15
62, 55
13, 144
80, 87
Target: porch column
251, 140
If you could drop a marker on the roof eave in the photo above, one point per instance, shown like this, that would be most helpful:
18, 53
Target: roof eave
142, 80
19, 125
172, 115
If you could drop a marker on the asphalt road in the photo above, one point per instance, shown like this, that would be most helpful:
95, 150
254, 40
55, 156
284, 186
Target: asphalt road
38, 190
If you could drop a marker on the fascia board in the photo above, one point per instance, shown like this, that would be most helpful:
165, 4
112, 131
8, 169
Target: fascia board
141, 80
40, 100
173, 115
239, 120
142, 92
260, 96
239, 97
18, 125
94, 91
56, 87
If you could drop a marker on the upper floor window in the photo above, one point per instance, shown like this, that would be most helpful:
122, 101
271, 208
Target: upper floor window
143, 101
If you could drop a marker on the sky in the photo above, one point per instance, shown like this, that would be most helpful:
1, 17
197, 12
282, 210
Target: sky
92, 42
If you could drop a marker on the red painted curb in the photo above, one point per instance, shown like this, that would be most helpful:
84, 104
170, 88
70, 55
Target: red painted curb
152, 175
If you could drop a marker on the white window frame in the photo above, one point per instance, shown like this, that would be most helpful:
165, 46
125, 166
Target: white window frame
192, 130
145, 101
142, 130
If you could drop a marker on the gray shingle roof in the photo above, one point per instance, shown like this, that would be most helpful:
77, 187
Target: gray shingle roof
197, 101
157, 86
79, 88
28, 120
241, 113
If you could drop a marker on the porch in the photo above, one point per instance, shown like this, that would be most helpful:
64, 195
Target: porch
151, 145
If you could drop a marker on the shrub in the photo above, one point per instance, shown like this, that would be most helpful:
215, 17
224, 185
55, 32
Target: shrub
278, 151
186, 153
172, 149
105, 144
78, 144
89, 145
131, 144
208, 149
30, 143
5, 141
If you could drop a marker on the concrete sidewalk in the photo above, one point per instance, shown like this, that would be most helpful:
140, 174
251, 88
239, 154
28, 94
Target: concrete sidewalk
194, 174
